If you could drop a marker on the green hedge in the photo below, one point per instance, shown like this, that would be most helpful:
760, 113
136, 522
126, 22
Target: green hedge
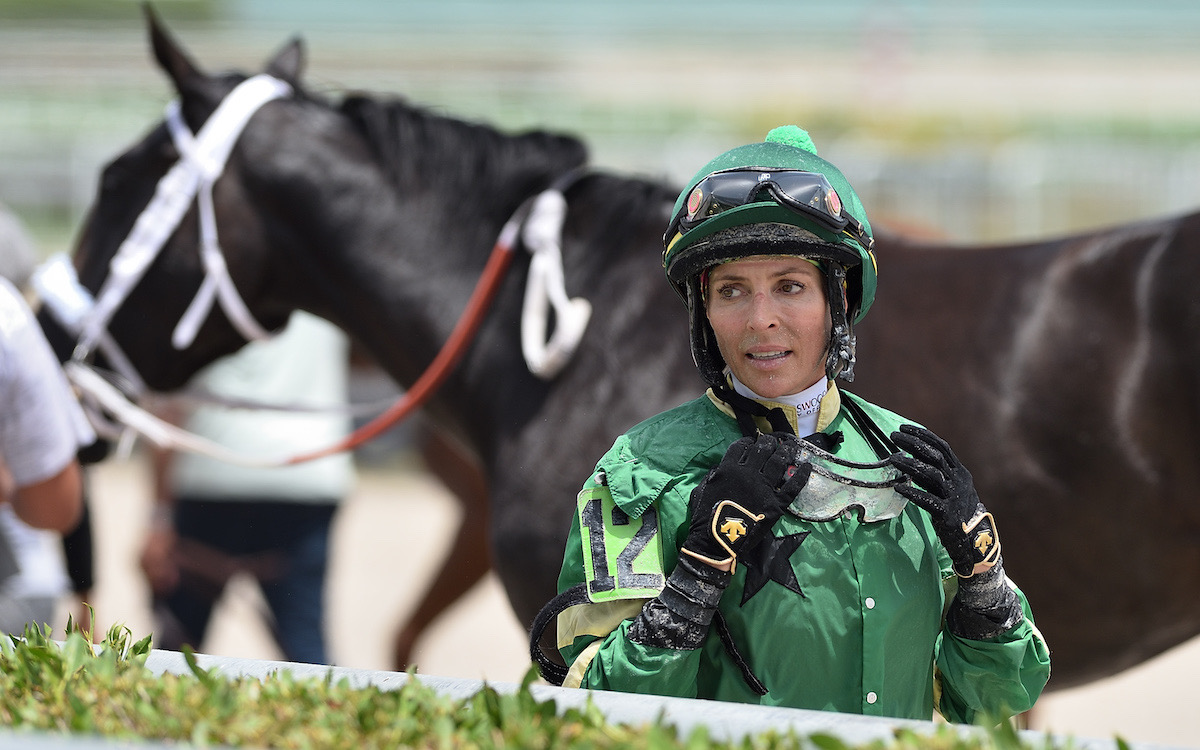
72, 687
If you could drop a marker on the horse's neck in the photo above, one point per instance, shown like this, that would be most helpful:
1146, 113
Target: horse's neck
400, 301
399, 216
397, 280
407, 298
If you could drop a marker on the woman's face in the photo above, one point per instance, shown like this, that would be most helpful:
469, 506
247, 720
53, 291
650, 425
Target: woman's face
771, 321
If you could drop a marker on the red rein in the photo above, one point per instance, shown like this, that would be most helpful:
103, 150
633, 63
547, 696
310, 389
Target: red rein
450, 354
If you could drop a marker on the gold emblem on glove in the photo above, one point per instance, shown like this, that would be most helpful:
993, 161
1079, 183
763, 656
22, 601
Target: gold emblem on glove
983, 542
987, 542
733, 529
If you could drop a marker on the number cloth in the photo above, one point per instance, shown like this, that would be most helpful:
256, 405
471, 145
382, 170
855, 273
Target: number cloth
842, 615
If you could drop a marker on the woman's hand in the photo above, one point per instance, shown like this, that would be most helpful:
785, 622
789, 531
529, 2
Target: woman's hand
742, 498
945, 490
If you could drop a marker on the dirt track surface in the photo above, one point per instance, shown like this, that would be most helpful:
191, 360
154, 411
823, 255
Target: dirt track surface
388, 540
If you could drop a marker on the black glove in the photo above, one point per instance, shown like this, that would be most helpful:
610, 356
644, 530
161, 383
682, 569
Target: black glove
743, 496
945, 490
735, 505
985, 605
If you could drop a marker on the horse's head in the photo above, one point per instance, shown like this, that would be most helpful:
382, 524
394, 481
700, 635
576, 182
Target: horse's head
409, 195
128, 204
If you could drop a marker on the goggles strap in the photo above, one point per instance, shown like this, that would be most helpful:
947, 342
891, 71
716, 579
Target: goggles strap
880, 443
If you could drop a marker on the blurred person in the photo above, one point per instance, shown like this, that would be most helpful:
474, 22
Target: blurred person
778, 540
41, 429
18, 261
18, 256
213, 519
33, 577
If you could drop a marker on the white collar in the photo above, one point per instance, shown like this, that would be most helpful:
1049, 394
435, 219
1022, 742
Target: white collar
807, 402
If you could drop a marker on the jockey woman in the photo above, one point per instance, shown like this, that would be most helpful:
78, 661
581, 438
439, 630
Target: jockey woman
778, 540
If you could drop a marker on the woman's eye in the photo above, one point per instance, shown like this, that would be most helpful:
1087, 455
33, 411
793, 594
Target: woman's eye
791, 287
728, 292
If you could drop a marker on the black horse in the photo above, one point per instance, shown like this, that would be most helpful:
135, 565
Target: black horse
1065, 373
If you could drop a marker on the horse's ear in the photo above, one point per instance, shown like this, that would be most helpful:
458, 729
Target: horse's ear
288, 62
171, 57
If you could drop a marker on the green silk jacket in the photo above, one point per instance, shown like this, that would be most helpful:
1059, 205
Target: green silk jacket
858, 626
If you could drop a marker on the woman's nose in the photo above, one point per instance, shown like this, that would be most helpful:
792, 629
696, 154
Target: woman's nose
763, 313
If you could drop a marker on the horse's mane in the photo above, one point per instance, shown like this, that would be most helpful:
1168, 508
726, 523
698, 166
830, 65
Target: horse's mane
416, 147
420, 150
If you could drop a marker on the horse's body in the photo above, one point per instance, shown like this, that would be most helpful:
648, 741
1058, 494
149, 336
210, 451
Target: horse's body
1060, 372
1066, 375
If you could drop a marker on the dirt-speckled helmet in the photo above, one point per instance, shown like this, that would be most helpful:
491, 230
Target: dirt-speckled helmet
773, 198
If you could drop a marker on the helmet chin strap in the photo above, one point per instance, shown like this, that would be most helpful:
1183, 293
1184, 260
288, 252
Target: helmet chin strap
839, 360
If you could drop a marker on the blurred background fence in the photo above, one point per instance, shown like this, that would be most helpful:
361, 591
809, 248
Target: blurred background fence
984, 123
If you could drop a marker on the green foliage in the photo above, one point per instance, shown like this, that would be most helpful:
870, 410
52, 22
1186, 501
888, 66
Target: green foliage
74, 687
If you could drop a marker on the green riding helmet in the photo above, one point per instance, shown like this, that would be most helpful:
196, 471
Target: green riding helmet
773, 198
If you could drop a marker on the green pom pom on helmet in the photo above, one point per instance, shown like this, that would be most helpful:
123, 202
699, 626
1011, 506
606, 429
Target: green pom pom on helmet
791, 135
773, 198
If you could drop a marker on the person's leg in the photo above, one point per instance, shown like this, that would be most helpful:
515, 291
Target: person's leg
297, 595
205, 558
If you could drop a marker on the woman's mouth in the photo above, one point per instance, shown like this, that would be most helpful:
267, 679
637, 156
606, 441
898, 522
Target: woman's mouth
766, 356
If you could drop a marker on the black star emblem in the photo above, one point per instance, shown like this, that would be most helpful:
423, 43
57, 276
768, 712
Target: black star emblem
769, 561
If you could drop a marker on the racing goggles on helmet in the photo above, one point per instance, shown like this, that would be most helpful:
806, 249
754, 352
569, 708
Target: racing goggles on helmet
808, 193
837, 486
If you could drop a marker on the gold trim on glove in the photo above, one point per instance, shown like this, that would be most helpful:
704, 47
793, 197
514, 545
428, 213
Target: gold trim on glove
985, 543
731, 529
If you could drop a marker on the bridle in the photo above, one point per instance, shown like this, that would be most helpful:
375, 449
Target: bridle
201, 162
538, 222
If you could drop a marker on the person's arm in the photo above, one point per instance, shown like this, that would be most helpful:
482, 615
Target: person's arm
992, 659
54, 503
41, 423
994, 677
657, 650
592, 637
